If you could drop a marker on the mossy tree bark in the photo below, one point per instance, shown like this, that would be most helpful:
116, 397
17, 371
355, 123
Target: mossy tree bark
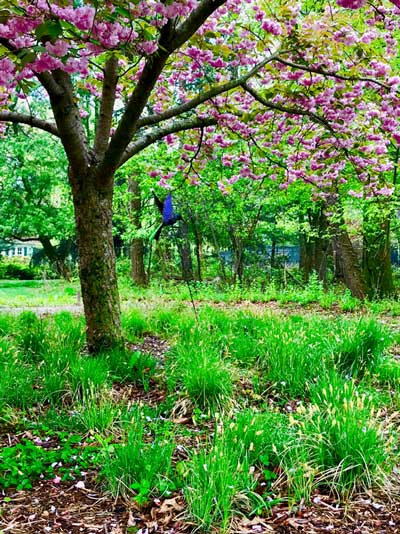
348, 261
93, 217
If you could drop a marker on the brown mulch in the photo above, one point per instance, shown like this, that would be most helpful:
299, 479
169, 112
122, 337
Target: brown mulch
153, 345
67, 509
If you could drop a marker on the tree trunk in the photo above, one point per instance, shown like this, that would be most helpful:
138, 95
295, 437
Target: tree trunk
185, 252
93, 217
377, 266
273, 253
348, 261
138, 271
54, 257
238, 258
197, 239
314, 246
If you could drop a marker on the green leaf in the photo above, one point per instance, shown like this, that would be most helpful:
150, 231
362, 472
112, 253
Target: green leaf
49, 28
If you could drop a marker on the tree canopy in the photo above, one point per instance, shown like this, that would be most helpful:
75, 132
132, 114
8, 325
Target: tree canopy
288, 92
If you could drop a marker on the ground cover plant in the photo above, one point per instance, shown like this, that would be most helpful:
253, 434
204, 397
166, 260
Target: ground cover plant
240, 413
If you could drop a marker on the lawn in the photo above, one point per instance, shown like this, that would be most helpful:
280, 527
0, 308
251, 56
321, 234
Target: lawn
242, 421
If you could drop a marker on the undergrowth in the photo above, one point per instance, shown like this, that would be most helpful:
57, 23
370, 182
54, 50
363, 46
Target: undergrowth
251, 408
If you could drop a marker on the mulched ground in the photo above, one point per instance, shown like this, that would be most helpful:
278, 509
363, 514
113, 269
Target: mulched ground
67, 509
83, 508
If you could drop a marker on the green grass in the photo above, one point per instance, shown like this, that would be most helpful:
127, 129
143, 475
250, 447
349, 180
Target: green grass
29, 293
245, 409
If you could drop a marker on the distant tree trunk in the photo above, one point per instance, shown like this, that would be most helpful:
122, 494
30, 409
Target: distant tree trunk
377, 266
348, 261
197, 238
314, 245
138, 271
185, 252
56, 259
273, 253
218, 252
93, 216
238, 267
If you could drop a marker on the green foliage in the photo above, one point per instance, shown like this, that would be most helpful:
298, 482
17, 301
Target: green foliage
221, 478
16, 270
197, 365
34, 197
88, 374
294, 355
31, 335
137, 466
25, 462
359, 347
348, 446
97, 412
48, 386
134, 324
127, 366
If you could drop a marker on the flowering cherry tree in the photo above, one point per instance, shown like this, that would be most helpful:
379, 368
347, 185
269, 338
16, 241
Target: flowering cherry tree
222, 69
139, 60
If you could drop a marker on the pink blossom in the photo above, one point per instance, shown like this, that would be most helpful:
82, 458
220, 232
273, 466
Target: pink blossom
148, 47
83, 17
59, 48
385, 191
222, 187
355, 194
76, 65
271, 26
45, 62
351, 4
23, 41
7, 71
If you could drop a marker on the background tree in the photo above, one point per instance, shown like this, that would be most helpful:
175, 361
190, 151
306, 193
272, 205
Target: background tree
35, 201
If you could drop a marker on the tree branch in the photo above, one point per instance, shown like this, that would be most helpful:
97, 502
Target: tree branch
211, 93
193, 22
169, 41
106, 106
315, 70
152, 137
69, 124
291, 110
21, 118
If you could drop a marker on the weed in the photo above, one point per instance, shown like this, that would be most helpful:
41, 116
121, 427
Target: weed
25, 462
198, 366
87, 374
359, 346
221, 479
342, 430
31, 335
137, 466
134, 324
97, 412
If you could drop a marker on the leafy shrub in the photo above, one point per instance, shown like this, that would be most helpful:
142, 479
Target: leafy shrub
15, 270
